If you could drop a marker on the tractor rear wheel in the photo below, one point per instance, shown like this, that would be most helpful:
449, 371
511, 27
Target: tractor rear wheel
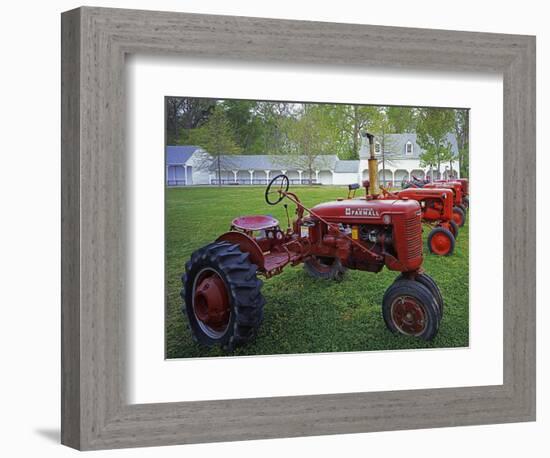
222, 296
466, 201
441, 241
453, 227
411, 309
458, 216
325, 267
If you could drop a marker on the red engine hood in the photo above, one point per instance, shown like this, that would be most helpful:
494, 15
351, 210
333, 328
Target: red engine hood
361, 211
446, 185
423, 193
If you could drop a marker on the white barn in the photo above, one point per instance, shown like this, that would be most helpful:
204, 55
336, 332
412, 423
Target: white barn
190, 165
185, 165
260, 168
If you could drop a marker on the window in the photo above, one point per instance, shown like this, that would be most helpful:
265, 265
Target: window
409, 148
377, 148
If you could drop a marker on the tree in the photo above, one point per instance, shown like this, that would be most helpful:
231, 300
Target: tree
462, 132
246, 124
347, 123
310, 136
387, 144
272, 116
217, 138
402, 119
434, 125
183, 114
382, 130
358, 118
173, 109
433, 156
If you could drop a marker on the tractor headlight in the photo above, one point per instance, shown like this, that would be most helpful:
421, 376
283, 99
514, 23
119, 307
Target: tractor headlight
386, 219
373, 236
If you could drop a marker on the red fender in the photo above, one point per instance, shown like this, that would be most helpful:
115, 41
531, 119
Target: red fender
247, 245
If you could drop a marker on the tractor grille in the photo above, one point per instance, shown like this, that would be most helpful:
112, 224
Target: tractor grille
413, 237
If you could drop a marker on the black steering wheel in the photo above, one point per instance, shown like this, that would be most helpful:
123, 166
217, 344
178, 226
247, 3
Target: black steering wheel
276, 187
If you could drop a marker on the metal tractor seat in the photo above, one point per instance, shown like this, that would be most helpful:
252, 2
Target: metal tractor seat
254, 222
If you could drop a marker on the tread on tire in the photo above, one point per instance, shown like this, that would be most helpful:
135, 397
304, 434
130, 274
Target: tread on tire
243, 288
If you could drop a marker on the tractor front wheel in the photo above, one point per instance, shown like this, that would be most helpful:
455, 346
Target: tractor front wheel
441, 241
222, 296
324, 267
429, 283
458, 216
453, 227
466, 201
411, 309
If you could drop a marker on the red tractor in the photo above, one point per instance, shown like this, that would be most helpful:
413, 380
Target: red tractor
465, 191
222, 293
437, 212
414, 182
459, 210
464, 186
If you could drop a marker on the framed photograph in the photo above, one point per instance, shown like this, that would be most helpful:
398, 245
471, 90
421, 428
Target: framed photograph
309, 167
277, 228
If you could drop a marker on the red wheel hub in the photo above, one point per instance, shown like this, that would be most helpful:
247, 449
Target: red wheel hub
440, 243
211, 301
408, 315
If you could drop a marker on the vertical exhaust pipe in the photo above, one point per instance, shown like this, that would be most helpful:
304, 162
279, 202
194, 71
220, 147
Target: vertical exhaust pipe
373, 167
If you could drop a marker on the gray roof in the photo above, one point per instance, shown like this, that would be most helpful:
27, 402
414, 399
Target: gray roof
178, 155
394, 145
347, 166
394, 149
274, 162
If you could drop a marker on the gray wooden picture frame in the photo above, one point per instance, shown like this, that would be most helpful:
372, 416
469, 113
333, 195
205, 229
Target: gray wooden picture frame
95, 411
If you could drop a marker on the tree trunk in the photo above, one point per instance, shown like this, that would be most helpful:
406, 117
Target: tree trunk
383, 166
219, 171
383, 158
355, 134
438, 161
176, 125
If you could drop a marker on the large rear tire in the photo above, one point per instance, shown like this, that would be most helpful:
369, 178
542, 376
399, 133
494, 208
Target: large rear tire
410, 308
222, 296
324, 267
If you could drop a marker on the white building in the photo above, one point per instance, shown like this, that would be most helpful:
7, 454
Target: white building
402, 159
187, 165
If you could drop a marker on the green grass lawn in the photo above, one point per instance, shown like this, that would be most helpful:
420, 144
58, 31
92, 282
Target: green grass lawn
302, 315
